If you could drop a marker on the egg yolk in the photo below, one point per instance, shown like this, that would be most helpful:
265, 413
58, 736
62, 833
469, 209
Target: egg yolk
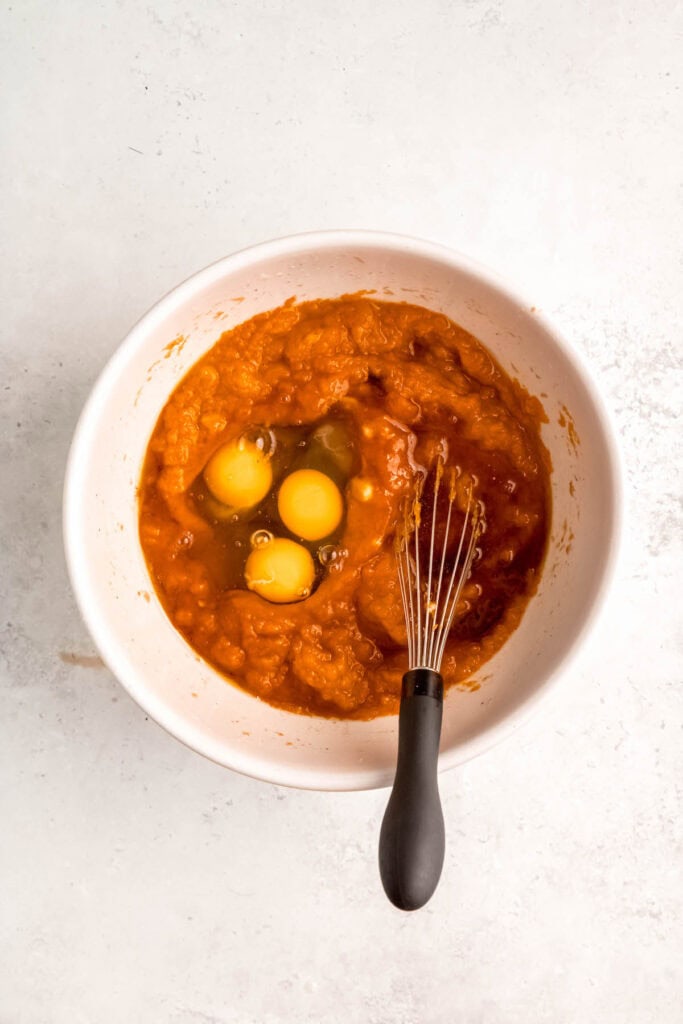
310, 504
239, 474
281, 571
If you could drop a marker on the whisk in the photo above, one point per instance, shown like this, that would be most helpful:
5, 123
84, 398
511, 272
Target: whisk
412, 840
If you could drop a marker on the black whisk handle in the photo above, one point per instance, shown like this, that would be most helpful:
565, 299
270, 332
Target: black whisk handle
412, 840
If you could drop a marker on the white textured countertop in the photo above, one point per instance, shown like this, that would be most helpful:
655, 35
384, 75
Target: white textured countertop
142, 884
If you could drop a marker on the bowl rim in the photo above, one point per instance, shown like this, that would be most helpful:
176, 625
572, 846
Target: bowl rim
354, 779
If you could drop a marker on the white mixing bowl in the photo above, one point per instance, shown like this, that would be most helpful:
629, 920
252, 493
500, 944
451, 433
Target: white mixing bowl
112, 584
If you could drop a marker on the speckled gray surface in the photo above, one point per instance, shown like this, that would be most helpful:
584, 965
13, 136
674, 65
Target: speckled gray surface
143, 884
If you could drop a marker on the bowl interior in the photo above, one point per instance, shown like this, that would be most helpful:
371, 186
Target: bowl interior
110, 577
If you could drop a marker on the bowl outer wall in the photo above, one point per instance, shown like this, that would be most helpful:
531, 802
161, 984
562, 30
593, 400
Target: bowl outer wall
369, 762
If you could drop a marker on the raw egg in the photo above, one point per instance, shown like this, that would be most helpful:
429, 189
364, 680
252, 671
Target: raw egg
310, 504
280, 570
239, 474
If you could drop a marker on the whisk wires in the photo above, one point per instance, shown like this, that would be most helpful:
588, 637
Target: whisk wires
430, 594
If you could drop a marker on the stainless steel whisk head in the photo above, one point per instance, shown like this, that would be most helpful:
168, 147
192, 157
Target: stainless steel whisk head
432, 583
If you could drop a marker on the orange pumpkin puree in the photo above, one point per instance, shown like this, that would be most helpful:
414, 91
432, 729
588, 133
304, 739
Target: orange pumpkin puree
405, 384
